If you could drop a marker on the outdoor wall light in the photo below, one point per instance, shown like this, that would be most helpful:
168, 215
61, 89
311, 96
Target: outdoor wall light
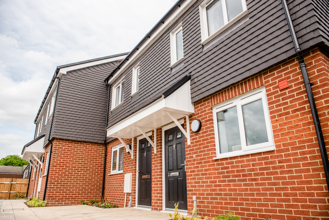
196, 125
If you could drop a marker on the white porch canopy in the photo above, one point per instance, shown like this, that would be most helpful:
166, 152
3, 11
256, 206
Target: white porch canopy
163, 111
34, 148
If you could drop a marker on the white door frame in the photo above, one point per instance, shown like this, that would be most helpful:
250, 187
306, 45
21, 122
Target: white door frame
167, 127
137, 165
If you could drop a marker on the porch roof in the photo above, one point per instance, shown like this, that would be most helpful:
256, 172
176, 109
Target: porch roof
176, 101
34, 147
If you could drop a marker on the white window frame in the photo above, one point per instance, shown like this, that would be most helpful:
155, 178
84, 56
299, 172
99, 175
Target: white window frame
47, 164
173, 46
114, 94
52, 106
116, 148
205, 38
40, 126
238, 102
136, 70
47, 113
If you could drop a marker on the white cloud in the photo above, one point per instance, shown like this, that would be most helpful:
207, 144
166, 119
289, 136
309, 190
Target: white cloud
11, 144
36, 36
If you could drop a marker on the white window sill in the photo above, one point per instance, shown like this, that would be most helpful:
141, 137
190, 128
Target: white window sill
114, 173
229, 24
135, 93
240, 153
44, 175
177, 62
116, 106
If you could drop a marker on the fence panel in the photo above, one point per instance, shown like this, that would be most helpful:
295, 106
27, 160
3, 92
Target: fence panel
9, 187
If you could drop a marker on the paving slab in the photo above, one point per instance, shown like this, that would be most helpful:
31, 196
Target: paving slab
17, 210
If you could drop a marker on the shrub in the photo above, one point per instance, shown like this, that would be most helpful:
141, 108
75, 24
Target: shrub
177, 216
83, 202
229, 216
35, 202
19, 195
93, 201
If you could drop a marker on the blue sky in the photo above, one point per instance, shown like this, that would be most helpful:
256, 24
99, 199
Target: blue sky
36, 36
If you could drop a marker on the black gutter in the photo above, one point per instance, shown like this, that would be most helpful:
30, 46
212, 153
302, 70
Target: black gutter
69, 65
51, 143
309, 92
28, 185
105, 137
146, 37
176, 86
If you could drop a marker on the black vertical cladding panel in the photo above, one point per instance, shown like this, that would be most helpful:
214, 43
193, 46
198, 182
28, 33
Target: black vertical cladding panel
80, 110
175, 173
145, 173
321, 8
258, 41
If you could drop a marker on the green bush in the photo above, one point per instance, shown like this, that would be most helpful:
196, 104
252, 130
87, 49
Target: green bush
35, 202
93, 201
229, 216
19, 195
83, 202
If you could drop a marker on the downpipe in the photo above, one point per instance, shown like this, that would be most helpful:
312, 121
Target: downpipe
309, 92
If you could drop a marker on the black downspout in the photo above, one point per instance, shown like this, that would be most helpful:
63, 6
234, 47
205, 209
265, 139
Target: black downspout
51, 143
105, 136
309, 93
28, 185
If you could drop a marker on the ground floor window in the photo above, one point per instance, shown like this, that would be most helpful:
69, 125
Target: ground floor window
117, 159
242, 125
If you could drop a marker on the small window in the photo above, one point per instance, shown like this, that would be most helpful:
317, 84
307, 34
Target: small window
135, 79
242, 125
176, 44
40, 126
52, 105
47, 114
118, 94
217, 15
47, 164
117, 159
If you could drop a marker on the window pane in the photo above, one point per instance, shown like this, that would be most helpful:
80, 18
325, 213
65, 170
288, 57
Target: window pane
228, 130
254, 123
215, 16
137, 79
117, 95
234, 7
114, 160
122, 92
179, 45
121, 150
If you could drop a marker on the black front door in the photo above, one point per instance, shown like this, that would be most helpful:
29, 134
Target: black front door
145, 171
175, 169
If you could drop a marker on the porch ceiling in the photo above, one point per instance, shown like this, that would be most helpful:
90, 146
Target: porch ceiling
34, 148
178, 105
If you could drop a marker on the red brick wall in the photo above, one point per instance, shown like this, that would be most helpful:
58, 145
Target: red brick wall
76, 172
114, 184
287, 183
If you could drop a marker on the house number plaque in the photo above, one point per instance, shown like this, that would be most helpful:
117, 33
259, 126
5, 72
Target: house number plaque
145, 176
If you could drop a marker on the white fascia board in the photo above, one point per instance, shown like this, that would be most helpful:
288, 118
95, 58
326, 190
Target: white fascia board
173, 17
81, 66
76, 67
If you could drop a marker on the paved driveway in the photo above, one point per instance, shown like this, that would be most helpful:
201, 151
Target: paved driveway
17, 210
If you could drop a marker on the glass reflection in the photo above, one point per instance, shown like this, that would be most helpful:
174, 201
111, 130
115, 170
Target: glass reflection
234, 7
215, 16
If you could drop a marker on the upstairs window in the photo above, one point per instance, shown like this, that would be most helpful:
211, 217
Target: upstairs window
176, 44
135, 79
40, 126
52, 105
217, 15
118, 94
47, 114
242, 125
117, 159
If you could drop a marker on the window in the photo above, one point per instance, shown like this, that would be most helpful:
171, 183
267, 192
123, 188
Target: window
40, 126
217, 15
117, 159
118, 94
176, 44
47, 114
52, 105
47, 164
243, 126
135, 79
